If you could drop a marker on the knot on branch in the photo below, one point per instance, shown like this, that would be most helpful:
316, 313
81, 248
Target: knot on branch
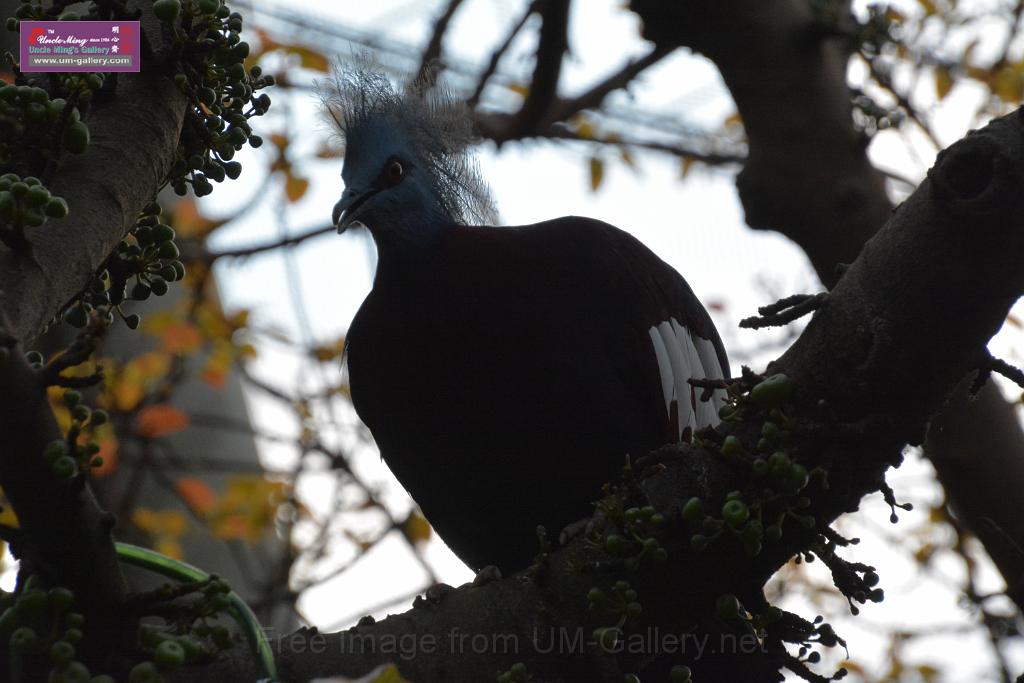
975, 176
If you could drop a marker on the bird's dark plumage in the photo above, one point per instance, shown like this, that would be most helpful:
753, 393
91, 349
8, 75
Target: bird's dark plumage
506, 372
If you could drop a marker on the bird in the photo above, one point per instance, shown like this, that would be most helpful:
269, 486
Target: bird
505, 372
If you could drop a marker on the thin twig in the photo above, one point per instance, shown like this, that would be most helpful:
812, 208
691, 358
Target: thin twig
286, 242
785, 310
496, 56
592, 98
426, 73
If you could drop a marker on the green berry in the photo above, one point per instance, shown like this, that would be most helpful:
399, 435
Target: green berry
64, 467
62, 652
208, 6
693, 511
163, 233
779, 463
76, 137
54, 450
735, 512
169, 655
141, 291
772, 391
680, 674
19, 189
607, 637
24, 640
61, 599
728, 607
56, 207
132, 321
614, 544
167, 10
168, 250
795, 479
144, 672
233, 169
158, 284
71, 398
732, 446
81, 412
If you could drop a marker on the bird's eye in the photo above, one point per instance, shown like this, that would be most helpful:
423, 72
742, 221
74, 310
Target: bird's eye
394, 172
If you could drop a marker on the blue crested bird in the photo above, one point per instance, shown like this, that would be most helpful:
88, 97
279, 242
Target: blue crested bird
504, 372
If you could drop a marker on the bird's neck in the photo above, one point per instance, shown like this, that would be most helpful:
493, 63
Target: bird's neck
412, 249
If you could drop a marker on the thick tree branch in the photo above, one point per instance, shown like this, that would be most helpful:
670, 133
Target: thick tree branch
808, 177
133, 138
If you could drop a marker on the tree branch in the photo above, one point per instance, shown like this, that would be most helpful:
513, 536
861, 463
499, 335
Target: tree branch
554, 41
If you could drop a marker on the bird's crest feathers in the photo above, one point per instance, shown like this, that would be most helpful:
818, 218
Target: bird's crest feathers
360, 97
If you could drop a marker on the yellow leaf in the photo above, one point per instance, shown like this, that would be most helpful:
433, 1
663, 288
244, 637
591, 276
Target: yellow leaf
929, 7
169, 547
943, 82
1014, 320
197, 494
127, 385
328, 352
1008, 85
330, 152
416, 528
733, 119
160, 420
585, 129
7, 516
687, 165
309, 58
295, 187
627, 158
596, 173
520, 89
388, 673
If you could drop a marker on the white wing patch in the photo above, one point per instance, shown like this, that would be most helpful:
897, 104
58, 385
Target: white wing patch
682, 356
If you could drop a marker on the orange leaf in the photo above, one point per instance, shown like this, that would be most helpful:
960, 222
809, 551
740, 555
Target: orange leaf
188, 222
182, 338
196, 494
295, 187
160, 420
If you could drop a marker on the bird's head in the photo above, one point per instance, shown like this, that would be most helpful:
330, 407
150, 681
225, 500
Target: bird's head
407, 170
386, 183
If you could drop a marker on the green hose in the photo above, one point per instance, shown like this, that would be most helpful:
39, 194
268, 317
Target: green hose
183, 571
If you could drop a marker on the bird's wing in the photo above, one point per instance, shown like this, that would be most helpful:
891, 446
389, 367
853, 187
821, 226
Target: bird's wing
642, 310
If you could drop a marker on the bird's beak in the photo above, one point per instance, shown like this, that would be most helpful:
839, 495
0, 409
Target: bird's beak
346, 207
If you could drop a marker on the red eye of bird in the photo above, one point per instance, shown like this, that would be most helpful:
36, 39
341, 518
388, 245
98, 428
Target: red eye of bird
394, 172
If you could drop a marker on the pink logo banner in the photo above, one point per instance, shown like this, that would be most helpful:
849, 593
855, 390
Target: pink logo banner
80, 46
